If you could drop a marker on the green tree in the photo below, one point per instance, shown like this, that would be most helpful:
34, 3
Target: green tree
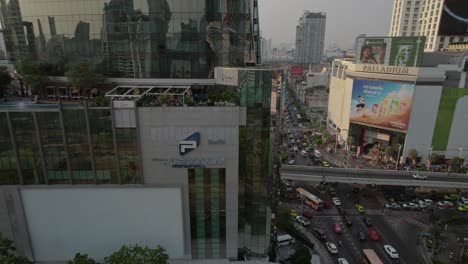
7, 253
82, 77
413, 155
82, 259
391, 151
302, 255
284, 156
456, 164
137, 255
34, 75
284, 219
327, 137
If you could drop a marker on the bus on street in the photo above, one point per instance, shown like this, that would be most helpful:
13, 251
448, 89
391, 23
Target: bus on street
370, 257
310, 199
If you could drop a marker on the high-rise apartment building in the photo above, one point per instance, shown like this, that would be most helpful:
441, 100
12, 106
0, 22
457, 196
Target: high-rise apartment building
310, 39
441, 21
181, 154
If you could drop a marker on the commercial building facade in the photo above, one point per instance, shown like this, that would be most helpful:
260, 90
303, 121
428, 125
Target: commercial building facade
133, 38
402, 106
195, 179
310, 39
442, 22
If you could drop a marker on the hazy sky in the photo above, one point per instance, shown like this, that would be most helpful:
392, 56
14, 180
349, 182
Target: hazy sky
345, 19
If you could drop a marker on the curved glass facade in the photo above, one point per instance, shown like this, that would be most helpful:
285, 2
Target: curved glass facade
132, 38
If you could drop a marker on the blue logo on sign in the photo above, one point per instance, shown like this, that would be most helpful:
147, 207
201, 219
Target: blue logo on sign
190, 143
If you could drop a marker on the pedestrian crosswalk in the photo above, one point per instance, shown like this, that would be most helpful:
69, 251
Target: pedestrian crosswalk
349, 211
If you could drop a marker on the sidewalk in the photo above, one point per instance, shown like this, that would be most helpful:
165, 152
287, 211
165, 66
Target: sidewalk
339, 160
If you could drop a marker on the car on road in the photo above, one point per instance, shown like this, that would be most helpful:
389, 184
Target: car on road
317, 154
304, 153
337, 228
296, 148
325, 163
336, 201
392, 206
347, 220
360, 208
302, 220
342, 261
367, 221
293, 141
418, 176
463, 208
292, 162
293, 213
332, 191
319, 234
410, 206
362, 236
332, 248
391, 251
451, 197
444, 204
373, 234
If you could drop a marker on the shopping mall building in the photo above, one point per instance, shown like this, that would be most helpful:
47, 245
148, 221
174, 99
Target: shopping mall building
423, 108
181, 156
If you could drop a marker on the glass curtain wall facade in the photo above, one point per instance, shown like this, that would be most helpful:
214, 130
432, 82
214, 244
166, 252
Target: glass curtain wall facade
255, 164
70, 145
133, 38
207, 194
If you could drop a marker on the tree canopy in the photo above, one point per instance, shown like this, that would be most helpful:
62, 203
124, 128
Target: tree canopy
137, 255
413, 155
82, 77
34, 75
7, 253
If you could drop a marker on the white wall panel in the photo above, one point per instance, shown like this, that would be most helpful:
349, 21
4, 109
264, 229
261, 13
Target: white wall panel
98, 221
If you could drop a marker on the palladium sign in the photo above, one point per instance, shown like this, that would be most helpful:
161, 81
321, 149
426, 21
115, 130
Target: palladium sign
386, 69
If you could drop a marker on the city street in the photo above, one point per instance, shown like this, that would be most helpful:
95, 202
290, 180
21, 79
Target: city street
397, 228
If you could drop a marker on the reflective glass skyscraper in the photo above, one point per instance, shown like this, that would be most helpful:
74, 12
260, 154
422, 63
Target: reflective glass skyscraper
133, 38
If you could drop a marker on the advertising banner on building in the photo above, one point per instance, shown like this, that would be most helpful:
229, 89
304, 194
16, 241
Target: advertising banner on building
392, 51
297, 71
381, 104
454, 20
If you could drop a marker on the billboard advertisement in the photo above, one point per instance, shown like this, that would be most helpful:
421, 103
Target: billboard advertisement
381, 104
454, 20
391, 51
297, 71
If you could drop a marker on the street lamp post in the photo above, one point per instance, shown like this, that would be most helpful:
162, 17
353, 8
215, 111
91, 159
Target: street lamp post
398, 157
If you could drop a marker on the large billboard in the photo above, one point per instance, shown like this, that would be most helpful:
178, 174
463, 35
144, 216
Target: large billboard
297, 71
381, 104
454, 20
392, 51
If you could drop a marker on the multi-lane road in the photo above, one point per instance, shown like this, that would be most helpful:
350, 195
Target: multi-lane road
379, 177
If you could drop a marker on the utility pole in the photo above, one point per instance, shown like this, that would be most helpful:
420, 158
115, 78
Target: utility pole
398, 157
461, 153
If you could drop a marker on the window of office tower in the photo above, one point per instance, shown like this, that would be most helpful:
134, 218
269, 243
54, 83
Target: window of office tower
130, 38
207, 192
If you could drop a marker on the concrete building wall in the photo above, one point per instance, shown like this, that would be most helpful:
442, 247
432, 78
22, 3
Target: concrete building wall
423, 118
161, 130
339, 103
98, 221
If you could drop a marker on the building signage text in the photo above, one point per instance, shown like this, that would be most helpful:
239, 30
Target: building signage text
386, 69
191, 162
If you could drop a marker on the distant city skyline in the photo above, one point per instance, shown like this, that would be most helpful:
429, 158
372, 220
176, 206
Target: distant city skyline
345, 19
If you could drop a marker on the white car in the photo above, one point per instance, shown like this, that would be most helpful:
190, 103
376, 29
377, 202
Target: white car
336, 201
342, 261
302, 220
293, 141
418, 176
428, 202
444, 204
391, 251
317, 154
423, 204
295, 148
292, 162
410, 206
304, 153
332, 248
